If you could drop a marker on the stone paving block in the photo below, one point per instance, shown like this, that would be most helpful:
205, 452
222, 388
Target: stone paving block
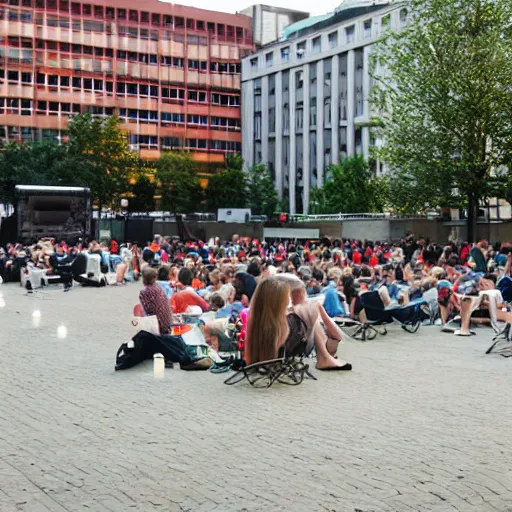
421, 424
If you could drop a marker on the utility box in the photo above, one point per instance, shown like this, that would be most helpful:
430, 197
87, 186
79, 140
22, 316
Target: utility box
238, 215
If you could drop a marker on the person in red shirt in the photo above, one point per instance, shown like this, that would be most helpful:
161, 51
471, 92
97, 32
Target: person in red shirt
181, 301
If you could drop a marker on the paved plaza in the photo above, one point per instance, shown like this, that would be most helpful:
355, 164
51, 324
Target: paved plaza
423, 423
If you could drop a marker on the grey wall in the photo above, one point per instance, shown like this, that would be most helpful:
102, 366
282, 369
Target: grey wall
366, 229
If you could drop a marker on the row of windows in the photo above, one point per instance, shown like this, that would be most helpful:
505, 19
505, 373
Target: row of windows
25, 107
151, 142
122, 88
78, 49
100, 12
144, 116
16, 133
317, 44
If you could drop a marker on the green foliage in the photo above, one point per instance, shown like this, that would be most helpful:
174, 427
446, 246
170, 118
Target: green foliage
28, 164
99, 149
180, 188
228, 188
350, 188
143, 191
442, 89
264, 199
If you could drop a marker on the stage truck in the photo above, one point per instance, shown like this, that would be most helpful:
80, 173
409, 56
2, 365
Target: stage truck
57, 212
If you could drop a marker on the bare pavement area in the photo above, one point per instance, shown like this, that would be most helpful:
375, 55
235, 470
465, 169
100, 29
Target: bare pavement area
423, 423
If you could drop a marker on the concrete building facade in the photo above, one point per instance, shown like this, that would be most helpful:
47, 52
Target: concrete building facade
269, 22
171, 73
305, 100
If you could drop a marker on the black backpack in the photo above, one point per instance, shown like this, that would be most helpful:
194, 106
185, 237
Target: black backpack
296, 343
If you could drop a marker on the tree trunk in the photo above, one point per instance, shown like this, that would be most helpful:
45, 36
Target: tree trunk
472, 217
97, 233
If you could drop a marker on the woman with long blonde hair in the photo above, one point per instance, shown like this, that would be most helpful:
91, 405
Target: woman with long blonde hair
268, 327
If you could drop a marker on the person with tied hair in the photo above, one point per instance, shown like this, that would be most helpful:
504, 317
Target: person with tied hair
154, 301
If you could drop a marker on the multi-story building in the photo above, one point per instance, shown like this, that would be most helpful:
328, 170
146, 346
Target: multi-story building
305, 100
269, 22
171, 73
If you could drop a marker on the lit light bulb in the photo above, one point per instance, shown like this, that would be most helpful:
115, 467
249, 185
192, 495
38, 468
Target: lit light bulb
62, 332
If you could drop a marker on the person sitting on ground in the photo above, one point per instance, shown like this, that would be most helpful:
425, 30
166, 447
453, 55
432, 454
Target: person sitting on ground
478, 256
325, 338
254, 269
163, 280
268, 327
187, 297
154, 301
245, 285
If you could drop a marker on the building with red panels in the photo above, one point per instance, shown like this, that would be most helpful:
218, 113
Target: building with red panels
171, 73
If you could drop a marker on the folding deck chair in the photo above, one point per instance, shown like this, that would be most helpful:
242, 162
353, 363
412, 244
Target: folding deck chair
409, 317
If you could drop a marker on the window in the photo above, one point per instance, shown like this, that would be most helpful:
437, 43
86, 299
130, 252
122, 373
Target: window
285, 54
367, 29
171, 142
312, 112
333, 39
299, 119
316, 44
403, 14
386, 22
197, 119
350, 34
64, 81
193, 64
254, 63
269, 59
301, 50
327, 112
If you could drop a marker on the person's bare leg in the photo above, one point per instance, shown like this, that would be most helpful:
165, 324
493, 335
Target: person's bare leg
384, 295
445, 312
324, 358
465, 316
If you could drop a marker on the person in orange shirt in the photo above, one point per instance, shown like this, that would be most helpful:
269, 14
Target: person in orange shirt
181, 301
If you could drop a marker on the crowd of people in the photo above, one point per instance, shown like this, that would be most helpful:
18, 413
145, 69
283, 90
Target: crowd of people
279, 288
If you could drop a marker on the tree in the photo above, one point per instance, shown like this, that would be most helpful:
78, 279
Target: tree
264, 199
143, 192
30, 164
442, 86
228, 188
179, 184
99, 149
350, 188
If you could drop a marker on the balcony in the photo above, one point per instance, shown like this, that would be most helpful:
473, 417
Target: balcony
222, 51
220, 134
172, 48
137, 103
16, 28
10, 90
175, 75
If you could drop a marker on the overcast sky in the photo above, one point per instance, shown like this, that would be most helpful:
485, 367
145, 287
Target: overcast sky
317, 7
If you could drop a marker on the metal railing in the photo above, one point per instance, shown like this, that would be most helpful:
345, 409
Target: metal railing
336, 217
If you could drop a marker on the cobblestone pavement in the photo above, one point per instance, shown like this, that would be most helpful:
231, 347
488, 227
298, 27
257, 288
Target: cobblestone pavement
423, 423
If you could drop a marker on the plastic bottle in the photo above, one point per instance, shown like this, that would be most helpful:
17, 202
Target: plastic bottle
158, 366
